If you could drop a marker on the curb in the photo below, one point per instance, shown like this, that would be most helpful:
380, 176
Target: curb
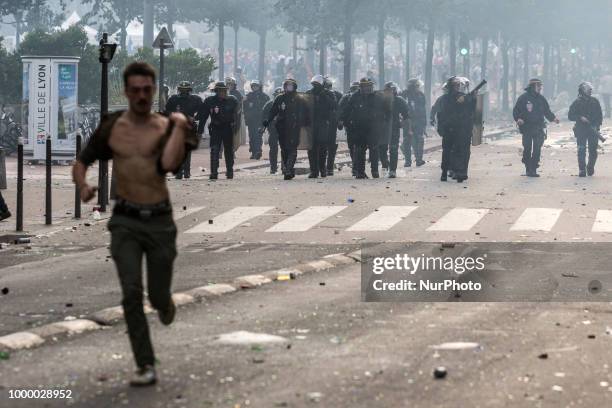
113, 315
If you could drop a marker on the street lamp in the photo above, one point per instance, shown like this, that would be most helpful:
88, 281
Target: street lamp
107, 52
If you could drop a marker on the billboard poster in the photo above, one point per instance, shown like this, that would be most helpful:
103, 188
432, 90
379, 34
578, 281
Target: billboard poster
25, 103
67, 120
40, 89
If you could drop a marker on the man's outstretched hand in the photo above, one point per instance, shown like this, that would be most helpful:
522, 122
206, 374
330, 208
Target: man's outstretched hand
88, 192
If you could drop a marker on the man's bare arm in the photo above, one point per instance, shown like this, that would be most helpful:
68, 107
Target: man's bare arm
174, 150
79, 176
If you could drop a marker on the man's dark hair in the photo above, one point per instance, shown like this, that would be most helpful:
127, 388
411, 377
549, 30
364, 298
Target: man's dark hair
138, 68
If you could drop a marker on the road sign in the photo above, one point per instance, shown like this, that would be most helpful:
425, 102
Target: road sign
163, 40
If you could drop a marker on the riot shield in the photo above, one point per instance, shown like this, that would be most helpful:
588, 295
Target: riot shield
383, 126
304, 114
478, 129
239, 129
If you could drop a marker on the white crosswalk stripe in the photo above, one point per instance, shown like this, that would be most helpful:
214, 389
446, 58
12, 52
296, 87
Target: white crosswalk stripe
178, 215
459, 219
228, 220
537, 219
383, 219
306, 219
603, 221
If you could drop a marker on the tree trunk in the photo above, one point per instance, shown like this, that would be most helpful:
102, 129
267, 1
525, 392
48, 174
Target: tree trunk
322, 58
506, 61
147, 35
526, 63
380, 53
452, 51
347, 55
407, 59
546, 79
515, 64
294, 48
221, 50
262, 56
483, 57
560, 84
236, 28
18, 21
429, 60
466, 58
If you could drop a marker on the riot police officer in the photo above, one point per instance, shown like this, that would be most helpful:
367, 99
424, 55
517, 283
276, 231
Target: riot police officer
455, 123
191, 105
331, 148
291, 114
253, 108
529, 113
586, 112
223, 112
323, 112
414, 137
231, 83
399, 115
350, 140
272, 133
367, 114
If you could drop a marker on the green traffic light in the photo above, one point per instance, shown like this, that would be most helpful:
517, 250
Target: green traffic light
464, 51
573, 50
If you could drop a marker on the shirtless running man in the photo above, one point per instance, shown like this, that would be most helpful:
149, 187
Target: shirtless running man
144, 146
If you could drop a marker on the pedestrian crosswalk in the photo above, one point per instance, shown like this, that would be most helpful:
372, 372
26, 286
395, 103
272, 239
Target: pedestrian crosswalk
398, 218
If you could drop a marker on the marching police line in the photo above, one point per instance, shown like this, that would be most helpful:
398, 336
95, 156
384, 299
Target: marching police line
373, 121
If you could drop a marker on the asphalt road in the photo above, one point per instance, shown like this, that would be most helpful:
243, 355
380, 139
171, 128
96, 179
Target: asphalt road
336, 350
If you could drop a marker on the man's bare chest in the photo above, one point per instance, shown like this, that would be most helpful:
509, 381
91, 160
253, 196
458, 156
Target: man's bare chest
135, 141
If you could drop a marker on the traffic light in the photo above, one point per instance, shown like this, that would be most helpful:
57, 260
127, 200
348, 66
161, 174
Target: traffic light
464, 51
573, 51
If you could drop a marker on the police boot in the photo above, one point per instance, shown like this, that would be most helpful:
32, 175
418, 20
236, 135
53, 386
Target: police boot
591, 166
290, 166
214, 163
582, 173
313, 163
444, 175
187, 165
391, 174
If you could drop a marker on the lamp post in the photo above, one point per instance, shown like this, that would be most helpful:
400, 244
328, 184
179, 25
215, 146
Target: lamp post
107, 52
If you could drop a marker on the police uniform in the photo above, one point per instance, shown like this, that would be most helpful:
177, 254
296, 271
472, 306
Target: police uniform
455, 124
532, 108
366, 114
291, 114
253, 109
399, 113
329, 152
414, 140
587, 134
223, 120
191, 105
272, 137
323, 111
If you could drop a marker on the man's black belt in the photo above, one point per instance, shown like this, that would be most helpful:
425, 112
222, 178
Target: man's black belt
142, 211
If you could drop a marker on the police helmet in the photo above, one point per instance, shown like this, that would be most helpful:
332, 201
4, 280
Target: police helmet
256, 83
278, 91
230, 81
290, 85
414, 83
317, 80
219, 86
184, 86
328, 84
585, 88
